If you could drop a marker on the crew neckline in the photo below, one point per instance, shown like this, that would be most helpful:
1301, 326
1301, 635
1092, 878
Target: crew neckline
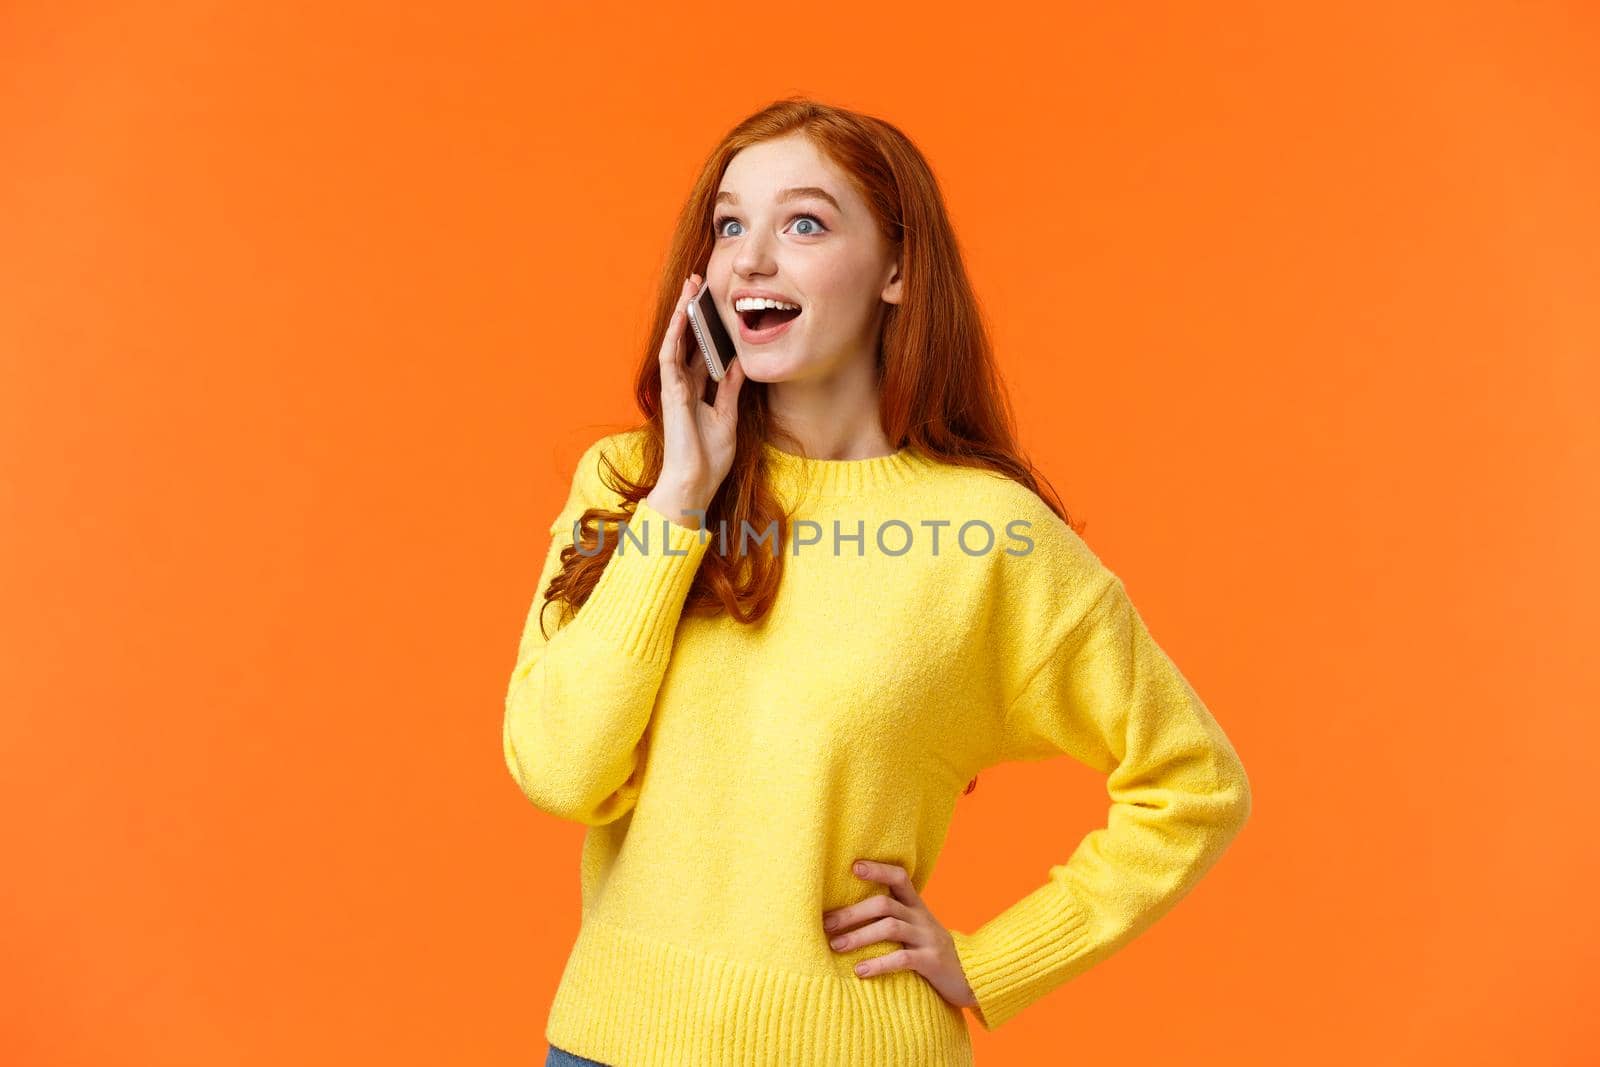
844, 477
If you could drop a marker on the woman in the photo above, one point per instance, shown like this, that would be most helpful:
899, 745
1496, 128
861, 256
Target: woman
767, 746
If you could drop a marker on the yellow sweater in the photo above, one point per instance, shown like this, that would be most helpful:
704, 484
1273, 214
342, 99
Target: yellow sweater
730, 774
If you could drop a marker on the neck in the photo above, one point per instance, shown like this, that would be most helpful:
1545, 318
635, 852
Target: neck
833, 415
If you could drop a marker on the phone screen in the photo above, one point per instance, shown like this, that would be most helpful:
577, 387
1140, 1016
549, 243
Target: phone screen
711, 334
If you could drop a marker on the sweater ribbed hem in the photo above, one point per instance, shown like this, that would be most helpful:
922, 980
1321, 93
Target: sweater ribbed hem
1022, 953
638, 1002
638, 601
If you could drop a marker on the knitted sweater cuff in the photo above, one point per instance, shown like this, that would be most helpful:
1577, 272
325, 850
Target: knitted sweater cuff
1023, 953
637, 602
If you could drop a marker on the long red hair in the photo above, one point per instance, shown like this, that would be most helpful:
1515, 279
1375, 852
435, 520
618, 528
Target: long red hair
940, 390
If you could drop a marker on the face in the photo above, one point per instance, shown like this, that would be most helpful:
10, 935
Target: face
826, 255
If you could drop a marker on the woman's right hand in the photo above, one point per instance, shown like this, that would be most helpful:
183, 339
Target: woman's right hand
699, 437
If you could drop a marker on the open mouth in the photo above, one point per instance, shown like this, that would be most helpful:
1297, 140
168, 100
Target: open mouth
766, 318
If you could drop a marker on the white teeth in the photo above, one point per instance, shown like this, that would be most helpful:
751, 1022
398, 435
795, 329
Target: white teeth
752, 303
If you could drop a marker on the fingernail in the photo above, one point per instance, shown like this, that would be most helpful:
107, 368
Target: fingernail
861, 868
837, 942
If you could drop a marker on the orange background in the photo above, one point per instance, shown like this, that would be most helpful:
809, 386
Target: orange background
306, 313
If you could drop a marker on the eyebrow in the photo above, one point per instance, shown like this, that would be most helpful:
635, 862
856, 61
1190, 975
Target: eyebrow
799, 192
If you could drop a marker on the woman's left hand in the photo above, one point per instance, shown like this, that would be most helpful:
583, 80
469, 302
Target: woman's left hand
926, 946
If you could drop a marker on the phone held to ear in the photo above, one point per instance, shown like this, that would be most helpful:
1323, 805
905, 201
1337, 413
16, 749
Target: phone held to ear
710, 333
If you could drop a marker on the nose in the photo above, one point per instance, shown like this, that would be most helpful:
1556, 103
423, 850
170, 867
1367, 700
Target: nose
755, 254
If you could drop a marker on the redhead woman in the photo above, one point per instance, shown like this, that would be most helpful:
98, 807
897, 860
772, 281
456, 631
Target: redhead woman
785, 621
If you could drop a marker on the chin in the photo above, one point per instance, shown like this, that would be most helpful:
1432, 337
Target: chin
770, 367
765, 370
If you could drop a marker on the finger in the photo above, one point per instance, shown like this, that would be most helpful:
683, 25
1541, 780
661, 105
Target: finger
850, 914
877, 906
890, 928
671, 354
901, 959
894, 876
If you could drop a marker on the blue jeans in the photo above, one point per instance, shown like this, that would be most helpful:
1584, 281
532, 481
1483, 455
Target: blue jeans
560, 1057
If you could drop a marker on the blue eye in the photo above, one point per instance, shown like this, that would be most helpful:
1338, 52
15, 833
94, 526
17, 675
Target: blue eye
716, 225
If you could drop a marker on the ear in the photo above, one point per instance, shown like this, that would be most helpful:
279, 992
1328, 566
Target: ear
894, 288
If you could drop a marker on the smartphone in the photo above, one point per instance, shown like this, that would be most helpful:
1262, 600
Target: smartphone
711, 333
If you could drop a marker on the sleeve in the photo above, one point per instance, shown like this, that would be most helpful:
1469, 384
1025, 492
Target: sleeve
579, 703
1108, 696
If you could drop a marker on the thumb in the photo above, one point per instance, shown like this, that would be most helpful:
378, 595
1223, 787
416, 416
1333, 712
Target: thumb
727, 402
